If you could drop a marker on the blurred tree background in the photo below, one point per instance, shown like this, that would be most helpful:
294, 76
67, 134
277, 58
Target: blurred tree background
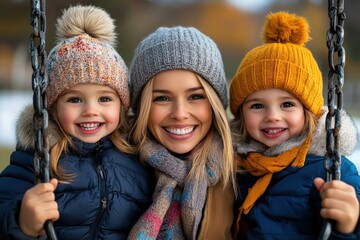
233, 26
236, 30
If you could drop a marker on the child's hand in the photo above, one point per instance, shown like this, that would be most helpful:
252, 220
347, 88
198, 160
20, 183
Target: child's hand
339, 203
38, 205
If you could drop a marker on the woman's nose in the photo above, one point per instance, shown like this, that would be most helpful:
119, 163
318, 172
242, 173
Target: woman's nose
179, 110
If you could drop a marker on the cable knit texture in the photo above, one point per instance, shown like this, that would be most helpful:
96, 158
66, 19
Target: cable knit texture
177, 48
281, 62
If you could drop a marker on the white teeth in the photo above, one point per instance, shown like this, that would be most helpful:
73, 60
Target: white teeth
179, 131
89, 126
273, 131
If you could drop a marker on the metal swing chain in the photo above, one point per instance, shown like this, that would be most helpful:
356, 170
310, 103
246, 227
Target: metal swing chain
335, 39
39, 84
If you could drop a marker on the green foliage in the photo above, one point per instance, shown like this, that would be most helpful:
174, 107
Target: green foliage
5, 156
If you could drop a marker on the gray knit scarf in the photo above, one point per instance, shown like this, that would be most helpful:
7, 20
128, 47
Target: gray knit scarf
178, 200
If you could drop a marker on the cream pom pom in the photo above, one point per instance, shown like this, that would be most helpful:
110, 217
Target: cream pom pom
94, 21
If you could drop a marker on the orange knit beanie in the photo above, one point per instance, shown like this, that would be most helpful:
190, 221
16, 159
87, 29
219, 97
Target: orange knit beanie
282, 62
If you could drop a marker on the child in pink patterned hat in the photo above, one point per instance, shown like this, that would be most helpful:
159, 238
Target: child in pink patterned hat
99, 189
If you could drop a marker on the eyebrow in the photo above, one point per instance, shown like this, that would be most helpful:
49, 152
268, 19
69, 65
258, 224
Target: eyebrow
71, 91
108, 92
187, 90
282, 98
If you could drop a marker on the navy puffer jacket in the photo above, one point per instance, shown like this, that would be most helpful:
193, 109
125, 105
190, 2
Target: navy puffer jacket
109, 193
290, 208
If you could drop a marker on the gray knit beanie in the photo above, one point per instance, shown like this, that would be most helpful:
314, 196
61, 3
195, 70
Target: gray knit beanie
177, 48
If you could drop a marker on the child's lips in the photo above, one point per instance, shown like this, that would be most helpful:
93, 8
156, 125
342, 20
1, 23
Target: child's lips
89, 126
273, 131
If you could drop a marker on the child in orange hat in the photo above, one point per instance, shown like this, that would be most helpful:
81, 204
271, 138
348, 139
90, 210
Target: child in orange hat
279, 138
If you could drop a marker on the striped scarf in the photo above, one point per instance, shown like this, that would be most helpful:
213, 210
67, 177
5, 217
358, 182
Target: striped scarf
178, 200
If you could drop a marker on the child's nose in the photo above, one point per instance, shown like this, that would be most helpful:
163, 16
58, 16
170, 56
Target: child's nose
90, 109
272, 115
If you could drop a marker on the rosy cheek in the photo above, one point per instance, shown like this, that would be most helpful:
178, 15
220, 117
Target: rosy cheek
249, 123
65, 116
113, 116
64, 120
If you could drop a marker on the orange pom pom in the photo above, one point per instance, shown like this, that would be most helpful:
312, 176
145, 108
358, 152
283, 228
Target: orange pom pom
282, 27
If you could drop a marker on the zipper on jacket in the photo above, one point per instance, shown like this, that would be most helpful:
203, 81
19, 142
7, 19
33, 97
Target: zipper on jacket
103, 201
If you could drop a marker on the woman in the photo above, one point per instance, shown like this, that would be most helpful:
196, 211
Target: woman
179, 95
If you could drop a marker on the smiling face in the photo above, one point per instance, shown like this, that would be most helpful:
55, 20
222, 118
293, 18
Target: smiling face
89, 112
180, 113
272, 116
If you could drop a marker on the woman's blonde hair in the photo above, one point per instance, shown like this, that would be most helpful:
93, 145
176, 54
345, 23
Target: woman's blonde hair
118, 137
140, 133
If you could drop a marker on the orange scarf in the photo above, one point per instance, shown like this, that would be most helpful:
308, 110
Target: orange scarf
264, 166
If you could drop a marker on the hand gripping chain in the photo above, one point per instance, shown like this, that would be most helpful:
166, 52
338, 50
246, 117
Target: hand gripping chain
39, 84
334, 41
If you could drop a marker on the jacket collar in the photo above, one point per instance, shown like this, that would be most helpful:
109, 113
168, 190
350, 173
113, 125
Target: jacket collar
84, 148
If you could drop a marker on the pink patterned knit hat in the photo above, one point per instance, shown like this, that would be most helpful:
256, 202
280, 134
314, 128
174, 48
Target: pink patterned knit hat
85, 54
